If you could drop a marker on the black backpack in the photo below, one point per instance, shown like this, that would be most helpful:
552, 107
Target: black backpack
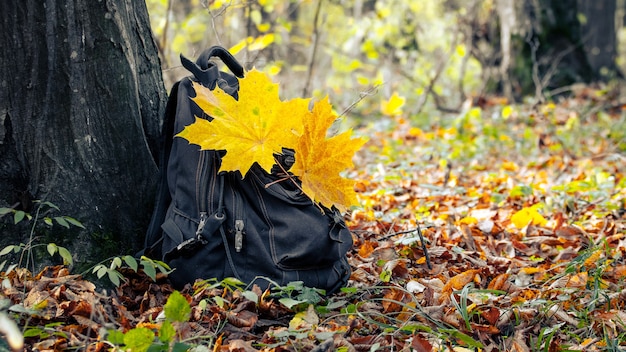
209, 225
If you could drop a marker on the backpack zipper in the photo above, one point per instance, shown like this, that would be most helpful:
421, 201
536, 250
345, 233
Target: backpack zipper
239, 223
202, 191
239, 235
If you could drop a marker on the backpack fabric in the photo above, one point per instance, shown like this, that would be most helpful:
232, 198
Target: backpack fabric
217, 225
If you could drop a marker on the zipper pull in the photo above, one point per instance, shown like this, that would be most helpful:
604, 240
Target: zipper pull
203, 219
238, 235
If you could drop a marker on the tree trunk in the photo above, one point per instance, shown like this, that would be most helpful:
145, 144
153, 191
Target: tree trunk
80, 105
600, 36
550, 48
551, 51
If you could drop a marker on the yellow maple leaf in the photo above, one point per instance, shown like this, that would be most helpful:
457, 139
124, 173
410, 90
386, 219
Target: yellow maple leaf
526, 216
258, 125
393, 106
250, 129
320, 160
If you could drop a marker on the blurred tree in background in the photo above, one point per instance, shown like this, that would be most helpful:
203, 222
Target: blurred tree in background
435, 54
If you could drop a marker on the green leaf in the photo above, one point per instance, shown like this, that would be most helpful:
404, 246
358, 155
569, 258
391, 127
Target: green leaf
61, 221
470, 342
349, 290
115, 337
219, 301
290, 302
74, 222
18, 216
36, 332
139, 339
115, 263
251, 296
158, 348
177, 308
66, 255
102, 270
5, 211
311, 295
149, 269
167, 332
181, 347
47, 221
163, 267
114, 277
385, 275
233, 282
203, 304
6, 250
337, 304
52, 248
131, 262
51, 205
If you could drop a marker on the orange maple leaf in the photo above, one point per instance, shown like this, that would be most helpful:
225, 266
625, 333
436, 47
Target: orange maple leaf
320, 160
457, 282
250, 129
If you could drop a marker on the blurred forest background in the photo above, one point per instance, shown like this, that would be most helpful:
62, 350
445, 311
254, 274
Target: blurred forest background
439, 55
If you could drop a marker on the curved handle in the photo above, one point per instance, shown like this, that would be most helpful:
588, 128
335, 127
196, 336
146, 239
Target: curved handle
218, 51
209, 75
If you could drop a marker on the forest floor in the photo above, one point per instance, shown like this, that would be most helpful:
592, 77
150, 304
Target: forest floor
503, 229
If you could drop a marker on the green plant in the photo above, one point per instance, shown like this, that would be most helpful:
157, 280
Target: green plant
45, 213
149, 267
296, 296
44, 332
176, 311
544, 339
24, 249
462, 306
409, 318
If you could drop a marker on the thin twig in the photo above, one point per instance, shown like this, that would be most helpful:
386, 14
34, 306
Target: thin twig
362, 95
292, 178
166, 27
438, 72
214, 16
419, 233
316, 38
542, 82
268, 185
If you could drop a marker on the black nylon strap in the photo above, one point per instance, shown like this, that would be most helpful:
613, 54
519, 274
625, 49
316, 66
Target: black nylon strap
203, 60
207, 72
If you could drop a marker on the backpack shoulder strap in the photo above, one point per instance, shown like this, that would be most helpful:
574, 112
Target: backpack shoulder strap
208, 74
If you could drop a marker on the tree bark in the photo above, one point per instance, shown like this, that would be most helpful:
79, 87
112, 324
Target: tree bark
81, 102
